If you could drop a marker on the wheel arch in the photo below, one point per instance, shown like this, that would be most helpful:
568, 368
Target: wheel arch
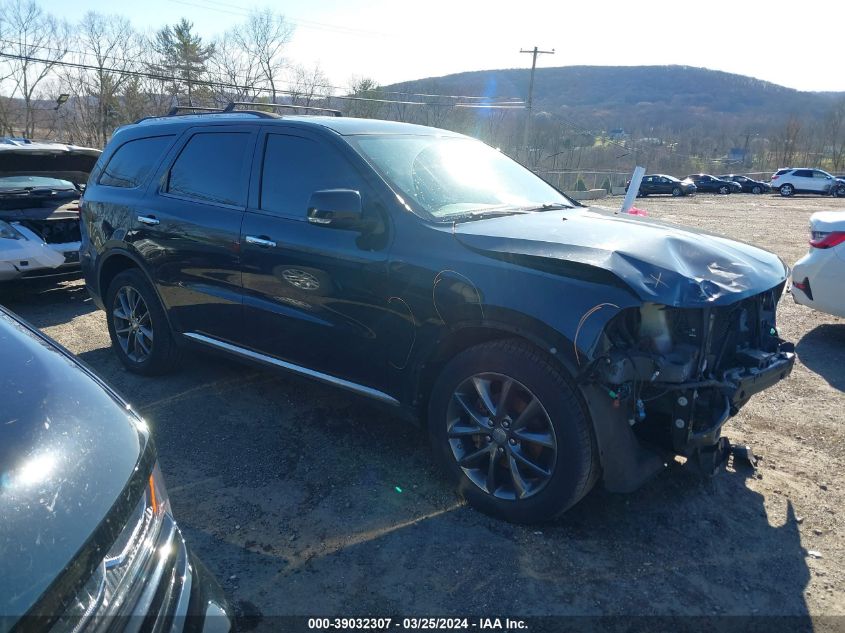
461, 337
117, 261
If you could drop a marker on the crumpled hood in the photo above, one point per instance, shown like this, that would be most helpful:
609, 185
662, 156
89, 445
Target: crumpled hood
659, 262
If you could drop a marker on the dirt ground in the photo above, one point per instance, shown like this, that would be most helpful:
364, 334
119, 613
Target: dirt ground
305, 500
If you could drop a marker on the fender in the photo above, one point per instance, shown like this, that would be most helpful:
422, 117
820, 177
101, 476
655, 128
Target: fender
118, 248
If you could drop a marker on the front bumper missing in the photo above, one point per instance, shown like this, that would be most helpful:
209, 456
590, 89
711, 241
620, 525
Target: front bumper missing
734, 391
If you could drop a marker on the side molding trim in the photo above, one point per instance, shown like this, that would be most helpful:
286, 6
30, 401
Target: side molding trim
297, 369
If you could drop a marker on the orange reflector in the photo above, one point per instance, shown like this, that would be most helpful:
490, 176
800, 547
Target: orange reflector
153, 501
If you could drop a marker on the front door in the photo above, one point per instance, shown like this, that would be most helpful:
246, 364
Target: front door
314, 296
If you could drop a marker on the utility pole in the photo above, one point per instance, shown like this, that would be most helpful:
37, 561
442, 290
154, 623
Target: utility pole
534, 54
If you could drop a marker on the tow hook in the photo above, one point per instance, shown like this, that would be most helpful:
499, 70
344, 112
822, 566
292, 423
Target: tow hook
710, 460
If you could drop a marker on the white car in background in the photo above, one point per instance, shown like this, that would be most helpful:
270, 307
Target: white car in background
40, 187
818, 278
791, 180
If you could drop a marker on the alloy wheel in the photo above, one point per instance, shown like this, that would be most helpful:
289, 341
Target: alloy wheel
132, 324
501, 436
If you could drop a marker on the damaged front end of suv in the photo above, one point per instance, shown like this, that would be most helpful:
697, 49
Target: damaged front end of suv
671, 330
675, 375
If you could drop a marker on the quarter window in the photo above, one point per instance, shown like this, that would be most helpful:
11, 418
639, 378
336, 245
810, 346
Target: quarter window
294, 168
210, 168
133, 162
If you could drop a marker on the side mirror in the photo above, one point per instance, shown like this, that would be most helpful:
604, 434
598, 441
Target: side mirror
336, 209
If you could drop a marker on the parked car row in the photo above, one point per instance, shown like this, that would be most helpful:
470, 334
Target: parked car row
787, 182
655, 184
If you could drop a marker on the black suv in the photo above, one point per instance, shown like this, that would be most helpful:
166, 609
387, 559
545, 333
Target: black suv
546, 345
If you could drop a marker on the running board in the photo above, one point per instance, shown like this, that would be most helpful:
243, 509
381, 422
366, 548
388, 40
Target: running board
302, 371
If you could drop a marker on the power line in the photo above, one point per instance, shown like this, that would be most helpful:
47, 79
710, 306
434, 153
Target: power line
231, 86
495, 100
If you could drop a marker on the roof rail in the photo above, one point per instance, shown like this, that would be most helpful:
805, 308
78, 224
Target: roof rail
233, 104
177, 109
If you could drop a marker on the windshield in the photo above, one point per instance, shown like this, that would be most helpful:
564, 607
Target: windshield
450, 177
17, 183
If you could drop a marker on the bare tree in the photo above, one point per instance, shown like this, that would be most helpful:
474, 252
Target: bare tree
237, 75
308, 84
111, 46
31, 35
263, 39
835, 134
367, 94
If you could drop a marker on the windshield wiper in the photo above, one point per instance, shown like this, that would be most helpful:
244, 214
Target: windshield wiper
546, 206
483, 214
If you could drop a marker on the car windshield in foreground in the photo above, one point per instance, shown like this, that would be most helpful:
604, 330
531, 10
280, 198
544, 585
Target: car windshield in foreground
18, 185
455, 179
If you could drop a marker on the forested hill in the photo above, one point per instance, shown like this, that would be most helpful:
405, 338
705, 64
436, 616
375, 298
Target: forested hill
623, 96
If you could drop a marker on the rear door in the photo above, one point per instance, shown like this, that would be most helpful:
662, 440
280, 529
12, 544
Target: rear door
314, 296
189, 229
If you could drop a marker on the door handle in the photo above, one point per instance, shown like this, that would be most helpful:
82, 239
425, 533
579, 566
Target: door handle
259, 241
148, 220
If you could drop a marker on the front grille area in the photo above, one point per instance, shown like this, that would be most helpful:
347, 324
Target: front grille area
131, 571
54, 231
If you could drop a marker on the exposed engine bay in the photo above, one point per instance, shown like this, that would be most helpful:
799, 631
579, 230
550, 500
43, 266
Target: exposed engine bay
41, 183
678, 374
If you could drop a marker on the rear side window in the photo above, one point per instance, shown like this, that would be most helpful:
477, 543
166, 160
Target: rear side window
134, 161
294, 168
803, 173
781, 172
210, 168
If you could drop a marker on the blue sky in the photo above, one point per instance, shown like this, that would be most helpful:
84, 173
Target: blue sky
391, 40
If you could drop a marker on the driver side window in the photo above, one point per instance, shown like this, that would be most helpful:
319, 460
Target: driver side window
294, 167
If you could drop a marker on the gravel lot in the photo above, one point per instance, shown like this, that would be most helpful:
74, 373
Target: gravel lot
305, 500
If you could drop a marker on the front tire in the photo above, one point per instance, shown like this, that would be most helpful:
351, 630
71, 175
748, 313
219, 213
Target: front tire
724, 190
756, 189
508, 428
677, 192
139, 331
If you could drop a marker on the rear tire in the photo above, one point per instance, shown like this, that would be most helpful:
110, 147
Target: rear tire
724, 190
786, 190
522, 468
140, 334
756, 189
